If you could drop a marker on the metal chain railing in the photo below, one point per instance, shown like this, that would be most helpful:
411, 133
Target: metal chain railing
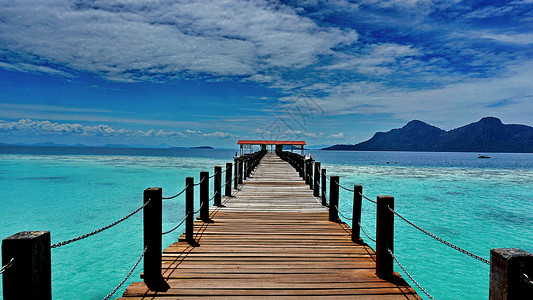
363, 230
172, 197
199, 208
340, 213
365, 197
409, 275
215, 174
216, 193
167, 232
127, 276
81, 237
7, 266
441, 240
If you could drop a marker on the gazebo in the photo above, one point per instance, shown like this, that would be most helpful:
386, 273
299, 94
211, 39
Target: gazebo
249, 144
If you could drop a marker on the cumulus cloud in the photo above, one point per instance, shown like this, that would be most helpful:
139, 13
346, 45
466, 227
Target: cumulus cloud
339, 135
29, 126
145, 40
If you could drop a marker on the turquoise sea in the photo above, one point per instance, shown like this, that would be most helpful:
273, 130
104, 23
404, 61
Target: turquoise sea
477, 204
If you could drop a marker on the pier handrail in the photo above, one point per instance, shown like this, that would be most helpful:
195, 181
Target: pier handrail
84, 236
39, 241
498, 284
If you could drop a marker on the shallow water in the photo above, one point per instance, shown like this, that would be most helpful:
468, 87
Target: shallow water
474, 203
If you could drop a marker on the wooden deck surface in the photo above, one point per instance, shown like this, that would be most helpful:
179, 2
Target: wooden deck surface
272, 240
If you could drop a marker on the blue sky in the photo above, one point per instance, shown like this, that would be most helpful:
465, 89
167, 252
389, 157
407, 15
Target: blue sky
190, 73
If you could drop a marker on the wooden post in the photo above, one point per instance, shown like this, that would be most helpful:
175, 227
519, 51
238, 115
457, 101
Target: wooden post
306, 172
152, 218
245, 169
316, 185
384, 237
228, 179
356, 214
334, 199
29, 277
507, 269
310, 174
323, 186
236, 180
241, 170
189, 210
204, 196
218, 184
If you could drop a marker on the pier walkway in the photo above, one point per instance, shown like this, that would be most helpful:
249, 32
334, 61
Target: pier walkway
271, 240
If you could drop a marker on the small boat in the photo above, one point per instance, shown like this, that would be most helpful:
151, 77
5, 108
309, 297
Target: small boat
483, 156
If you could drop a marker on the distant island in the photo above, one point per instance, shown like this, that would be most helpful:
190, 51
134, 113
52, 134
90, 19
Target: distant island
487, 135
202, 147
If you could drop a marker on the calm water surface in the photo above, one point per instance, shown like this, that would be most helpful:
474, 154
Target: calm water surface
477, 204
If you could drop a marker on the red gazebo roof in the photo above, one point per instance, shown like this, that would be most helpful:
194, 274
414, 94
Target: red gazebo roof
263, 142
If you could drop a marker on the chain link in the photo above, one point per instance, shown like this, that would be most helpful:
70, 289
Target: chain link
409, 275
440, 240
172, 197
361, 227
166, 232
84, 236
375, 202
10, 263
127, 276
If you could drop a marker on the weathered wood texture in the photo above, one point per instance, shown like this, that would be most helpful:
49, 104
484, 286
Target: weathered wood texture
272, 240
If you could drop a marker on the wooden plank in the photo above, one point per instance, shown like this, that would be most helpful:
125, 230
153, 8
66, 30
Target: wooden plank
272, 240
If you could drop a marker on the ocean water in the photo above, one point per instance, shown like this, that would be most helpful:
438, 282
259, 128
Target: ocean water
477, 204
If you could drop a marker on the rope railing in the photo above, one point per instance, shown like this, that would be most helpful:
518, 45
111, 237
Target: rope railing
127, 276
345, 188
340, 213
180, 223
195, 184
440, 239
366, 198
84, 236
199, 208
526, 278
7, 266
216, 193
363, 230
409, 275
215, 174
181, 192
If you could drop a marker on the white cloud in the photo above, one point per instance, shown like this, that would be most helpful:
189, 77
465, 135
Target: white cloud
339, 135
139, 40
28, 126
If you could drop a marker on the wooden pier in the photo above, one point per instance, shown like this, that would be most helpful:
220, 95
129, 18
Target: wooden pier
271, 240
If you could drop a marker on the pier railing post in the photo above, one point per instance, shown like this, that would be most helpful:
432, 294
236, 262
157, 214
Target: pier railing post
323, 186
384, 237
204, 196
152, 218
241, 170
189, 210
507, 269
228, 180
356, 214
29, 276
334, 199
218, 186
236, 179
245, 169
316, 185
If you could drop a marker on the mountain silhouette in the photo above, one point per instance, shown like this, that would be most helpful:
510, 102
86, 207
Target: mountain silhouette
487, 135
